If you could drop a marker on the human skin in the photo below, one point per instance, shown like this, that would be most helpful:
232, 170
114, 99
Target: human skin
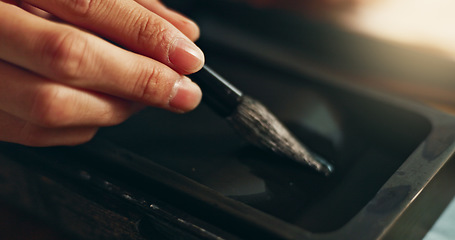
69, 67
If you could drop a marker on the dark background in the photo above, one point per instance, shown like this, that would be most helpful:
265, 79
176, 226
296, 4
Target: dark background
17, 225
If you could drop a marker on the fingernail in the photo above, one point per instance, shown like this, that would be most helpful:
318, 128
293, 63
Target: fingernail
186, 95
185, 56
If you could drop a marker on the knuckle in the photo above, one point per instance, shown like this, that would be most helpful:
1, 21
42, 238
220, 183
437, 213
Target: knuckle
50, 108
80, 7
151, 87
65, 53
150, 30
114, 117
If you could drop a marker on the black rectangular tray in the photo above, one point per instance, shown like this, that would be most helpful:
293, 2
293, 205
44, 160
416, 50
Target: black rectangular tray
393, 161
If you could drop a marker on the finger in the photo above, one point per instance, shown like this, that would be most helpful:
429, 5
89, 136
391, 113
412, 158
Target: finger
53, 105
36, 11
16, 130
184, 24
131, 25
82, 60
29, 8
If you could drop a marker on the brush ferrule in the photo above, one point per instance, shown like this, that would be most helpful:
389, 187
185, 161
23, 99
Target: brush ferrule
218, 93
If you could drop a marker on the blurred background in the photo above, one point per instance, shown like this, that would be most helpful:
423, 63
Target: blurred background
401, 46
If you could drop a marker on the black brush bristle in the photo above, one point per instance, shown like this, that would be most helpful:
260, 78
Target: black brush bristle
260, 127
253, 121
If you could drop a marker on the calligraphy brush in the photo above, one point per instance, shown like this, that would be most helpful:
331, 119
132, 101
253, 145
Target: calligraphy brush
253, 121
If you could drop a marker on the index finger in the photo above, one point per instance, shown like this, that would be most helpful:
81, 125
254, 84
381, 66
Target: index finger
131, 25
79, 59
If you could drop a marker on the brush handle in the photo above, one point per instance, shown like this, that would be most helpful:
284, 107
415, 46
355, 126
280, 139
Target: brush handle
217, 92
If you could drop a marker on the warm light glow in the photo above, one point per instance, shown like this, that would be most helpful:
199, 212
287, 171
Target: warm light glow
426, 23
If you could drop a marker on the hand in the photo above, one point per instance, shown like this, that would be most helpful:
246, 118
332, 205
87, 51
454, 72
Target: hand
68, 67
